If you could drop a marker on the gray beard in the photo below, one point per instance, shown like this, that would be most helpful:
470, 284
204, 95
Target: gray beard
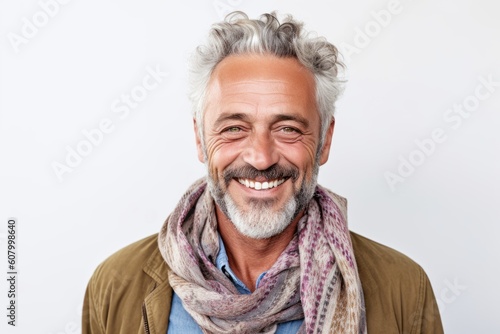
261, 221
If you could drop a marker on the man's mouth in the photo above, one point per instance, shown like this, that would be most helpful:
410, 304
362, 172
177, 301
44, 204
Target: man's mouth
252, 184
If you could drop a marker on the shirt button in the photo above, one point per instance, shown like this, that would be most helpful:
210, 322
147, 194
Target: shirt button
226, 273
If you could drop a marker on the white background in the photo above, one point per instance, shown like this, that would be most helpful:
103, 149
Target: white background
401, 82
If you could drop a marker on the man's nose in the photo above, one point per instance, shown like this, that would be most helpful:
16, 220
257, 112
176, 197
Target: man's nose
261, 152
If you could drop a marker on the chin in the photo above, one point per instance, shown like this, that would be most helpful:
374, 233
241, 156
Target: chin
260, 220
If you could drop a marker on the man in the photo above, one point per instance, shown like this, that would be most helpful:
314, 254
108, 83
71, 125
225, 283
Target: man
257, 246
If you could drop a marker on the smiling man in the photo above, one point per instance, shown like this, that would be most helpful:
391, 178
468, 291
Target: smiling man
258, 246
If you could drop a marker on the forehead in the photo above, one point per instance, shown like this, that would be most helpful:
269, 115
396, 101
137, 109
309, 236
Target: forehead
261, 81
264, 67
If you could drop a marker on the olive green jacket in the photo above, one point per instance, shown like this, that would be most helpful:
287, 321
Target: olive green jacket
129, 292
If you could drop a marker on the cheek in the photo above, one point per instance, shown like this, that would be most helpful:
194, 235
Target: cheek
302, 154
219, 155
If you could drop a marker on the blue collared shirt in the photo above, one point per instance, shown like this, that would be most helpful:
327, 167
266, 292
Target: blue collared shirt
181, 322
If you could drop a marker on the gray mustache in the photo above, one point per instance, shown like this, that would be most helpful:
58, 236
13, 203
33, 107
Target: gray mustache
250, 172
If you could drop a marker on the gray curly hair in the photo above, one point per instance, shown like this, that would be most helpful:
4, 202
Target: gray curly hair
238, 34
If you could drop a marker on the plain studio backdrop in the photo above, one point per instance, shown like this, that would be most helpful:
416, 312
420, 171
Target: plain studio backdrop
97, 146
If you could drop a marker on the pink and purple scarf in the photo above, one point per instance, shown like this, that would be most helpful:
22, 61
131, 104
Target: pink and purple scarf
315, 278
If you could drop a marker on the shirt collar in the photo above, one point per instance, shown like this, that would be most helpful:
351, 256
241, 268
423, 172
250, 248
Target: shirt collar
222, 263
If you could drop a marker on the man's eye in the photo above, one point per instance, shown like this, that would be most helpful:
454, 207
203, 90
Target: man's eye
289, 130
233, 129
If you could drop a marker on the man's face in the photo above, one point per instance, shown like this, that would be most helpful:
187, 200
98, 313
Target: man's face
261, 136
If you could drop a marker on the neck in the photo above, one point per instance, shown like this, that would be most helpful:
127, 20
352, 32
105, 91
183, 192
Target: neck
249, 257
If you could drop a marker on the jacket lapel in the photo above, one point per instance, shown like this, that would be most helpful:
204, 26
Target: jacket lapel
156, 307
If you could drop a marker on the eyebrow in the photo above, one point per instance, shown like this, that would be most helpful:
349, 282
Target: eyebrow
244, 117
230, 116
299, 119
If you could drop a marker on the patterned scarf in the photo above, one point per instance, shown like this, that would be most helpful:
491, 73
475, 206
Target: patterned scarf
315, 277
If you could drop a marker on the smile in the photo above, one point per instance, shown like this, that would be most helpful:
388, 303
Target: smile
260, 185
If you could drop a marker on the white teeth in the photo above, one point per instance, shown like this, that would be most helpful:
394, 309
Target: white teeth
260, 185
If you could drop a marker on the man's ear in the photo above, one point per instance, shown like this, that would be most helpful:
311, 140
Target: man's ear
325, 151
199, 146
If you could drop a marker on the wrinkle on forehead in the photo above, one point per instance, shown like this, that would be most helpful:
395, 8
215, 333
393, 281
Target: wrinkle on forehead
262, 75
263, 68
275, 88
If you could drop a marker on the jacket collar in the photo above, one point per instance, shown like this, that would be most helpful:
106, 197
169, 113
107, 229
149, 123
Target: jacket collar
157, 303
156, 267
